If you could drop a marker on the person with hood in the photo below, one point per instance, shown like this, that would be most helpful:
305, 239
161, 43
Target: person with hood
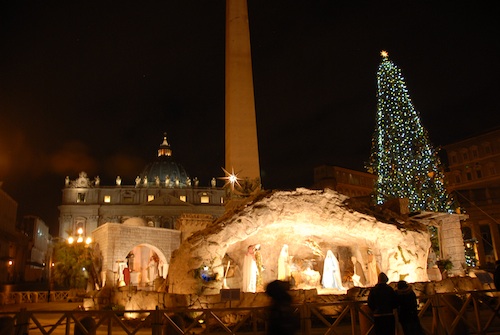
382, 300
407, 310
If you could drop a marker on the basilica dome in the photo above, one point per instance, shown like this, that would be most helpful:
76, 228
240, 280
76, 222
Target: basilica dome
164, 171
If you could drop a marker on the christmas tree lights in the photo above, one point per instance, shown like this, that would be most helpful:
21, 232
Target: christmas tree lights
402, 157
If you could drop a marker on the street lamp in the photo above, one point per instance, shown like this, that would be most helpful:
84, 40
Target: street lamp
74, 250
80, 238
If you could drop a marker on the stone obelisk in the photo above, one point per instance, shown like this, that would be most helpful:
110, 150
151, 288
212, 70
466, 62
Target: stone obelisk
242, 153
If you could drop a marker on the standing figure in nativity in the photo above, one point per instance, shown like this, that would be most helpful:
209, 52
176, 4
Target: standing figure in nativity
137, 181
152, 269
331, 272
284, 264
121, 276
126, 276
433, 271
358, 277
373, 270
431, 259
260, 266
162, 269
250, 271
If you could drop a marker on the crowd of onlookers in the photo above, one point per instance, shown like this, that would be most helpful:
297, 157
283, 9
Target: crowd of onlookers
382, 300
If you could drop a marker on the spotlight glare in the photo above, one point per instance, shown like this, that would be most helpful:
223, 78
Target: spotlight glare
231, 178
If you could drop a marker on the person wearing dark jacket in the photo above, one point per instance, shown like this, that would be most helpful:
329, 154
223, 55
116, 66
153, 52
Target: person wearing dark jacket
281, 319
496, 275
407, 310
382, 300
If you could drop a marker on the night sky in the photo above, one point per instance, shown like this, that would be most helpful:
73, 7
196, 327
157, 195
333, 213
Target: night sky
92, 86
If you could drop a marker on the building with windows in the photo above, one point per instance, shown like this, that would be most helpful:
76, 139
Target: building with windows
12, 244
132, 225
346, 181
23, 245
37, 233
473, 177
163, 191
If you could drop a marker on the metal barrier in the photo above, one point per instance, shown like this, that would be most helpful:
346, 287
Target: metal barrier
471, 312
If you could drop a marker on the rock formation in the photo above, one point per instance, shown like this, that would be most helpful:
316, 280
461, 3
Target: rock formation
310, 222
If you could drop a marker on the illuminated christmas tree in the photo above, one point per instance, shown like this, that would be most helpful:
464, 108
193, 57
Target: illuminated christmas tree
402, 157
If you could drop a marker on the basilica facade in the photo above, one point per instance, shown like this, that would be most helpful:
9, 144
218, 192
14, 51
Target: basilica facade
162, 201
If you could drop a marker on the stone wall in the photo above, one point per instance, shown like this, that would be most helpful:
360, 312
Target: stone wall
144, 300
191, 223
115, 241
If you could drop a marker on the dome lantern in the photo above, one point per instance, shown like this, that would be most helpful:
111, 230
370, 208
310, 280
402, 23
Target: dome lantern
164, 149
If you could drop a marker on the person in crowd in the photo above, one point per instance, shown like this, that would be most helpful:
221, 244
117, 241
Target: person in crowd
496, 275
281, 320
383, 300
407, 310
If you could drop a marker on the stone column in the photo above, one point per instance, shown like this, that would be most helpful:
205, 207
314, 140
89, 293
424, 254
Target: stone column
452, 243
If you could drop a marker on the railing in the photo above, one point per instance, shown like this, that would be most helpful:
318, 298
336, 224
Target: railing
471, 312
33, 297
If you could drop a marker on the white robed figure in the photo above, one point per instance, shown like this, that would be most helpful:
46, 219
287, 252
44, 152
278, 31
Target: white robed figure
373, 269
331, 272
152, 269
250, 271
283, 264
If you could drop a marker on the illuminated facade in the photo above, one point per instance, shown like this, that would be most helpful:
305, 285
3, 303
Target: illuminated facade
473, 177
132, 225
163, 191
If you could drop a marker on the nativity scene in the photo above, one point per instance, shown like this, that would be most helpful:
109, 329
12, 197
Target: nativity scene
312, 239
